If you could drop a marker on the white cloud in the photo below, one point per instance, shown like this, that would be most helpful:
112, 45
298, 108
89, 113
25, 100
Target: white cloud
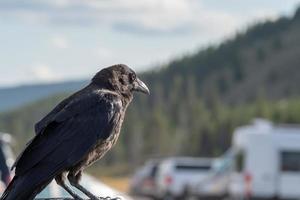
160, 16
264, 14
43, 73
216, 23
103, 53
151, 15
60, 3
60, 42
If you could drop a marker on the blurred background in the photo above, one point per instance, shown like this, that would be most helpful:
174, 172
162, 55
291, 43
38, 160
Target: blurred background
213, 66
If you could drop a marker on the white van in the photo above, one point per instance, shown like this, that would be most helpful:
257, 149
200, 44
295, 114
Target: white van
266, 161
176, 174
215, 185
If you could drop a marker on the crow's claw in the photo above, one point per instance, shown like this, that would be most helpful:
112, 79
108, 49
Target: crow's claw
109, 198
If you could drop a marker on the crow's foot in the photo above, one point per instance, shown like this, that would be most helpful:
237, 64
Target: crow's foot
109, 198
60, 180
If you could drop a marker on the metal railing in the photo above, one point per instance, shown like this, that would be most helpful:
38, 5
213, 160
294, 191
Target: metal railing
100, 198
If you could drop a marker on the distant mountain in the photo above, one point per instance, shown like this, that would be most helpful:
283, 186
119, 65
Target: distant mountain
197, 100
13, 97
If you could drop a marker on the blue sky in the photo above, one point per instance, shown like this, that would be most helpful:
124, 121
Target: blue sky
57, 40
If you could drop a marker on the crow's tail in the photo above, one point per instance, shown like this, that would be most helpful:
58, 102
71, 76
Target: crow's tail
23, 188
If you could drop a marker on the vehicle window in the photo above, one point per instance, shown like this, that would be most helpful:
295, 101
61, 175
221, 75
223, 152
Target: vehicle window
221, 166
192, 167
290, 161
224, 163
154, 171
240, 161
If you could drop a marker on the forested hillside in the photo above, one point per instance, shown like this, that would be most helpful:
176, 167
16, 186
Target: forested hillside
264, 59
196, 101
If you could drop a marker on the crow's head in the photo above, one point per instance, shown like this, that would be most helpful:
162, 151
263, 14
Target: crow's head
120, 78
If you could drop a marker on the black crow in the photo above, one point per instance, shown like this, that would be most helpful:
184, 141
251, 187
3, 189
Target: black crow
76, 133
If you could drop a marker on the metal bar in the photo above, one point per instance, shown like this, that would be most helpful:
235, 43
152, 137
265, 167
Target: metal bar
100, 198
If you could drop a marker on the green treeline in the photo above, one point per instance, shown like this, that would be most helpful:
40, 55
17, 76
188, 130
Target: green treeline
189, 127
198, 100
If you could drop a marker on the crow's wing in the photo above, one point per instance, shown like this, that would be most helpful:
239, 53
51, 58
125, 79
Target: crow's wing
70, 101
39, 126
71, 133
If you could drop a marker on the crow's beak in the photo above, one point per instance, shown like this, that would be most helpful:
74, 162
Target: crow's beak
140, 86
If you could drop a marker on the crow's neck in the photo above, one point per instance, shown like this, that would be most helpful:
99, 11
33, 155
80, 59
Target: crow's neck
102, 84
126, 97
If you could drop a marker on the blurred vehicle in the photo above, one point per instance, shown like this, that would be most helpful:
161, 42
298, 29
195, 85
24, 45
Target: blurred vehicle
143, 182
6, 159
95, 186
215, 185
176, 174
266, 161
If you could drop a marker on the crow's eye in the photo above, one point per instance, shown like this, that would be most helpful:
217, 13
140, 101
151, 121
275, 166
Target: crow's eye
121, 81
132, 77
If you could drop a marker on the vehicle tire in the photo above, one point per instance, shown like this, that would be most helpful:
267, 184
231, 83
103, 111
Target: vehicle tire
185, 193
168, 196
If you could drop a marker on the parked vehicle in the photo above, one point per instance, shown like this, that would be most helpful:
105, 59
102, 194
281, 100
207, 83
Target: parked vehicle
143, 182
215, 185
266, 161
176, 174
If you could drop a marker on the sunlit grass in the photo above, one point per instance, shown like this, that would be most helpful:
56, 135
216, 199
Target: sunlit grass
118, 183
115, 176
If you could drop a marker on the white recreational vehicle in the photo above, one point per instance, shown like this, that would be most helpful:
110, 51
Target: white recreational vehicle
266, 161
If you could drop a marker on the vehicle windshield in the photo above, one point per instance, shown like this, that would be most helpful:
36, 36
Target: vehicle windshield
290, 161
195, 167
225, 162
